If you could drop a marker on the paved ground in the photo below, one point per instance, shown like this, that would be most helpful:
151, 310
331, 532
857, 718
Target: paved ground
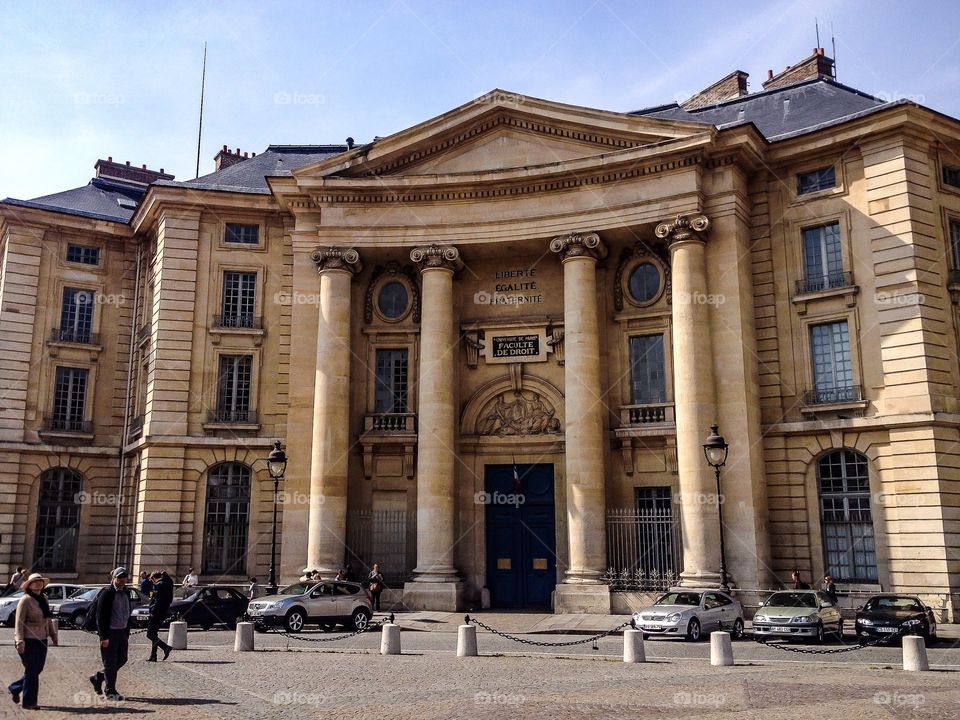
349, 679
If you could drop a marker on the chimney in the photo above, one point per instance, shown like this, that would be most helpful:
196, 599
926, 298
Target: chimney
730, 87
225, 158
350, 143
128, 173
818, 65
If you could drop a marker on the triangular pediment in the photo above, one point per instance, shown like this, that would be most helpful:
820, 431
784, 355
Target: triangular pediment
502, 131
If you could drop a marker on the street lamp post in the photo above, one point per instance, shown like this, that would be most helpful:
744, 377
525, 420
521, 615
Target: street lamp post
277, 466
715, 449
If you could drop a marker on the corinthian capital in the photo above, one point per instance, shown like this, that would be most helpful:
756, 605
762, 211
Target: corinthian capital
437, 256
337, 258
685, 227
579, 245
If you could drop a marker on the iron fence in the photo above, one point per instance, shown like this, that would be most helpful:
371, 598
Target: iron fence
387, 537
643, 549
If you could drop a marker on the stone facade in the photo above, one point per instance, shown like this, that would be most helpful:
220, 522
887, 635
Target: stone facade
510, 232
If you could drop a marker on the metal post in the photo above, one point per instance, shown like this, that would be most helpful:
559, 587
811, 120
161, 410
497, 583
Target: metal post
724, 585
272, 584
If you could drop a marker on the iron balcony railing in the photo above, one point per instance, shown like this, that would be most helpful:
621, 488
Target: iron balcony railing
827, 396
244, 321
58, 423
646, 414
227, 416
75, 335
144, 332
954, 278
136, 426
390, 422
830, 281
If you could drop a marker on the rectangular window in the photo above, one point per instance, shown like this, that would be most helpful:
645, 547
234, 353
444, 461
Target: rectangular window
83, 254
233, 388
832, 369
823, 258
242, 234
239, 300
69, 399
951, 175
955, 247
648, 378
76, 315
822, 179
390, 395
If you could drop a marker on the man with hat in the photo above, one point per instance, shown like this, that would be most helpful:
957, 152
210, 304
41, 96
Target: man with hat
113, 626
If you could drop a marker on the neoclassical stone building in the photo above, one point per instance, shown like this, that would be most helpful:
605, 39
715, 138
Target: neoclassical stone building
493, 345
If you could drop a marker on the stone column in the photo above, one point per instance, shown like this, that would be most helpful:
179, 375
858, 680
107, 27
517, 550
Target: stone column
326, 534
436, 585
581, 590
694, 398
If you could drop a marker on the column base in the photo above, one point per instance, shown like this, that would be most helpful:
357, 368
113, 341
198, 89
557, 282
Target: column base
572, 598
444, 596
703, 579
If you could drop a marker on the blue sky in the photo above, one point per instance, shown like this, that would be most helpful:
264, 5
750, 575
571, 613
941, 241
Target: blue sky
88, 80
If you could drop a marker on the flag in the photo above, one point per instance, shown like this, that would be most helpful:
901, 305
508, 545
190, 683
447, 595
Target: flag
516, 479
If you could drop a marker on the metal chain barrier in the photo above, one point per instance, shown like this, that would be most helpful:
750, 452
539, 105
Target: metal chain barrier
344, 636
467, 619
834, 651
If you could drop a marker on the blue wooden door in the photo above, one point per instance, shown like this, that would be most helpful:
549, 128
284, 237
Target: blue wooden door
521, 535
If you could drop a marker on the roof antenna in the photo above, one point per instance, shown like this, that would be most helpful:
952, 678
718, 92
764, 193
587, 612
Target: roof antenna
203, 82
816, 26
833, 41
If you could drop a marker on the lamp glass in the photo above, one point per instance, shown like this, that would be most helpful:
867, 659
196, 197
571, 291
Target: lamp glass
716, 455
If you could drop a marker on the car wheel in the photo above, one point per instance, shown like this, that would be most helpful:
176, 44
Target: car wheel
295, 620
737, 633
9, 621
819, 638
78, 619
361, 619
693, 630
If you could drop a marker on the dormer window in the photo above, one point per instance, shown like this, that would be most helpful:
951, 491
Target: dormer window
83, 254
242, 234
816, 180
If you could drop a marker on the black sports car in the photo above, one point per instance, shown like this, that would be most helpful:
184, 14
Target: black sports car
206, 607
886, 614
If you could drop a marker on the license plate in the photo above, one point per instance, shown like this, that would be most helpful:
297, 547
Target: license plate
780, 628
886, 629
255, 613
653, 627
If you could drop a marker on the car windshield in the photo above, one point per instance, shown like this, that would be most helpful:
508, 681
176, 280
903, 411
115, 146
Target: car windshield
86, 594
679, 598
792, 599
296, 589
893, 603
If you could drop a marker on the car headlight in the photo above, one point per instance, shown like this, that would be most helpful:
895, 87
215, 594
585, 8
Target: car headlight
273, 605
866, 623
804, 619
911, 623
673, 617
761, 618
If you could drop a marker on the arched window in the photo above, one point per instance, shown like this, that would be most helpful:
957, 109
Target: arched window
58, 521
845, 517
226, 520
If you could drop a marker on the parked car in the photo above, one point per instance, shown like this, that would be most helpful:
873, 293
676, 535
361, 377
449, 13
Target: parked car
53, 591
73, 610
683, 612
324, 603
206, 607
798, 614
885, 614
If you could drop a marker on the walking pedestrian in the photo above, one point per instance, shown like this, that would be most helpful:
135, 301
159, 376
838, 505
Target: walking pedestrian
190, 580
113, 627
253, 592
159, 609
146, 585
16, 580
34, 627
375, 580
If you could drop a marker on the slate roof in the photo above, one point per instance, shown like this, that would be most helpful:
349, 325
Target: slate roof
783, 112
99, 199
250, 175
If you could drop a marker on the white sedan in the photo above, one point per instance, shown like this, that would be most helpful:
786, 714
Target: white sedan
684, 612
55, 592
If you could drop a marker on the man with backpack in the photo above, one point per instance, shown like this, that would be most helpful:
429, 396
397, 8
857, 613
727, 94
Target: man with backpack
160, 602
112, 610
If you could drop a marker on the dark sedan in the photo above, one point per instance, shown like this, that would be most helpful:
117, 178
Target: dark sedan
206, 607
74, 609
883, 615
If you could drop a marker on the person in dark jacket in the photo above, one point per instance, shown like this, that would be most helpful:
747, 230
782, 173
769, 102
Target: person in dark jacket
146, 584
159, 609
113, 626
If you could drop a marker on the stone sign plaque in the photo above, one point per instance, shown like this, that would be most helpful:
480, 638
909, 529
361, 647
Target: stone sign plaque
513, 346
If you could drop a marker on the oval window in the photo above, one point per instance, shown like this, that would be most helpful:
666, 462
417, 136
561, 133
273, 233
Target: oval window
644, 283
393, 300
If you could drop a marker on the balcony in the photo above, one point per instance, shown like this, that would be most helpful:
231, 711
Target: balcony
143, 334
66, 427
646, 414
837, 399
80, 338
825, 286
232, 417
245, 324
136, 427
390, 422
391, 436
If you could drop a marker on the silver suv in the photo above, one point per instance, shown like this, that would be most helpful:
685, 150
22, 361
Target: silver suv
325, 603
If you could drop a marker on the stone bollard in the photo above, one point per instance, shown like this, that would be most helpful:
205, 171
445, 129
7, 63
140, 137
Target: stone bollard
633, 651
390, 639
467, 641
177, 635
915, 654
721, 649
243, 642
